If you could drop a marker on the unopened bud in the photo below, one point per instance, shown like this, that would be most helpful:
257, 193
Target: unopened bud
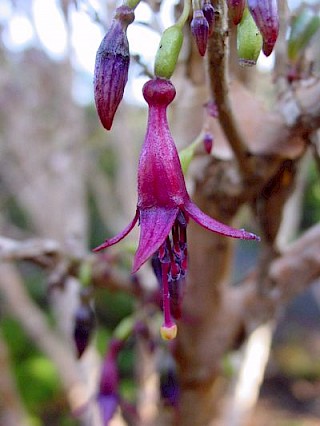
208, 142
200, 30
168, 52
84, 323
111, 67
236, 8
265, 14
249, 40
208, 11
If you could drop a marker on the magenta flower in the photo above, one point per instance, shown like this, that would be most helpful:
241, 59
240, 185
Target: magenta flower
164, 205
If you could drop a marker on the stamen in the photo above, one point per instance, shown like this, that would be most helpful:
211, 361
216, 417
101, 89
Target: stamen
169, 329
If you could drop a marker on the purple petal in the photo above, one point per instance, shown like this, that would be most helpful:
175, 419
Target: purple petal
156, 224
108, 405
213, 225
120, 236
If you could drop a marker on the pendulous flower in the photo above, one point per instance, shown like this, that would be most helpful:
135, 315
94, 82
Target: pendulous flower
164, 205
111, 67
108, 397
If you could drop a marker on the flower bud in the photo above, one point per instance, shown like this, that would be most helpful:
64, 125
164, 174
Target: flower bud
200, 30
208, 142
208, 11
236, 8
249, 40
168, 52
111, 67
265, 15
84, 323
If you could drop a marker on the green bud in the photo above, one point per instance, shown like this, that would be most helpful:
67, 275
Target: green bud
124, 328
168, 52
303, 28
249, 40
85, 273
186, 155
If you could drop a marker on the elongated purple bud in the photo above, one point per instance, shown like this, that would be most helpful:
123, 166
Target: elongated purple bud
84, 323
200, 30
236, 8
208, 11
111, 67
208, 142
265, 15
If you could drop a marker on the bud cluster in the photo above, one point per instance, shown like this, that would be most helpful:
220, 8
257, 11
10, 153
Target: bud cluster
202, 24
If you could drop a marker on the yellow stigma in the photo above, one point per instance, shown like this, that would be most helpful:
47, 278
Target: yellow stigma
168, 333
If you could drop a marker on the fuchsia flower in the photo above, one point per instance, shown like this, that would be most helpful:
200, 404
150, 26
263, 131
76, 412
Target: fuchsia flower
164, 205
108, 397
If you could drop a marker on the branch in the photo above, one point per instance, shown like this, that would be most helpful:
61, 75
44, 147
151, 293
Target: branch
14, 250
12, 412
218, 72
36, 326
298, 267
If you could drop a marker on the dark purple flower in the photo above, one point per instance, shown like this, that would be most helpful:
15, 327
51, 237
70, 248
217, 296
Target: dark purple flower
236, 8
111, 67
200, 30
265, 15
108, 396
164, 205
169, 386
